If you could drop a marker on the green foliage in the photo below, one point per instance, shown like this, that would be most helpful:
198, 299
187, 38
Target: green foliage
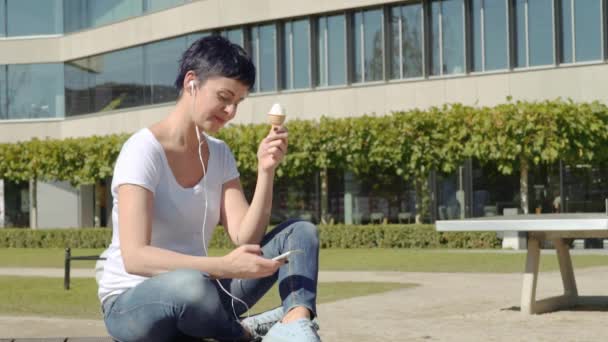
331, 236
55, 238
514, 136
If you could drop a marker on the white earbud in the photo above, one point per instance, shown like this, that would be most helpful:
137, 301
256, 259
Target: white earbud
192, 86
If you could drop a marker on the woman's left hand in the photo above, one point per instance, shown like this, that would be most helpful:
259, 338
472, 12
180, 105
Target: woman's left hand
272, 149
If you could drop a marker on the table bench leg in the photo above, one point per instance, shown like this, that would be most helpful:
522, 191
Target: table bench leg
565, 267
570, 298
528, 291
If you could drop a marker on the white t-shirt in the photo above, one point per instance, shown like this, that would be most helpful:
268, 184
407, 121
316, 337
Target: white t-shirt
177, 224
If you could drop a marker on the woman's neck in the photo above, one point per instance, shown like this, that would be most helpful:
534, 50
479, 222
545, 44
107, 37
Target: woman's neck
177, 130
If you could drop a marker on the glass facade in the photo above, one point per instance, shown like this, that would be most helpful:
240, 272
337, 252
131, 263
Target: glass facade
106, 82
331, 48
489, 35
2, 18
447, 37
296, 54
159, 5
406, 41
323, 47
84, 14
34, 17
264, 56
234, 35
581, 29
35, 91
3, 93
368, 46
161, 66
533, 32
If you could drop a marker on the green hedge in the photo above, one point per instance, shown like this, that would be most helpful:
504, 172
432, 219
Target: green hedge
334, 236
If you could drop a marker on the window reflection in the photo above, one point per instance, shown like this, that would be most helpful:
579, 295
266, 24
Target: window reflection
119, 79
234, 35
296, 54
34, 17
3, 93
521, 48
489, 35
159, 5
162, 62
566, 32
406, 41
114, 80
332, 50
368, 46
263, 47
540, 31
108, 11
2, 18
35, 91
588, 30
447, 37
495, 34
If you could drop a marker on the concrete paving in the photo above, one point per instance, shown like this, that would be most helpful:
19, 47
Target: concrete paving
444, 307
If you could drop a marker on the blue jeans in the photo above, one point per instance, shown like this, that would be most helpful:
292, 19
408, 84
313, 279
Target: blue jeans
183, 304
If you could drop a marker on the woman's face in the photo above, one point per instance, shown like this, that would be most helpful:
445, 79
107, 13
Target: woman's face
216, 102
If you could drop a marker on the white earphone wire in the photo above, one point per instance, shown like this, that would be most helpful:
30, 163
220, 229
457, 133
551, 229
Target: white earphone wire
200, 157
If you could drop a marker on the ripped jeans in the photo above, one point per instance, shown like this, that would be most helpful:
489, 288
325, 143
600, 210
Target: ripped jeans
186, 304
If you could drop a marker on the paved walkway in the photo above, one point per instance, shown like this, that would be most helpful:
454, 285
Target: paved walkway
444, 307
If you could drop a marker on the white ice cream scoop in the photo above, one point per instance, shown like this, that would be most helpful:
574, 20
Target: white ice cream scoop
276, 115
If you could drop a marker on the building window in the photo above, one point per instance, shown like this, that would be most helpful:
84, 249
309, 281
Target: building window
264, 56
296, 54
161, 64
533, 32
34, 17
2, 18
581, 31
234, 35
106, 82
192, 37
35, 91
83, 14
368, 46
447, 37
159, 5
331, 49
489, 35
3, 93
406, 41
109, 11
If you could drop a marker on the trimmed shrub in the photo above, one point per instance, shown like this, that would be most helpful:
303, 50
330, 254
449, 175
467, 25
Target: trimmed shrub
332, 236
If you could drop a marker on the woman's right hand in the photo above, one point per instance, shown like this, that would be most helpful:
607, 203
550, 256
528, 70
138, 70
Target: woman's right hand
246, 262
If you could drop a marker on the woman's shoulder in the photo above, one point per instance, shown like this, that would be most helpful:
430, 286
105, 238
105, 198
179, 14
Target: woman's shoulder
217, 143
143, 140
142, 145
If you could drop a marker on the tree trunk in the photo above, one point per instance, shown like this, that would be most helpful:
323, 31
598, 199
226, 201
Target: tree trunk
324, 197
523, 186
33, 203
422, 199
1, 203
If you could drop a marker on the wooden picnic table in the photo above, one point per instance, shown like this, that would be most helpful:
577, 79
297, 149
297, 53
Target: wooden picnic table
558, 228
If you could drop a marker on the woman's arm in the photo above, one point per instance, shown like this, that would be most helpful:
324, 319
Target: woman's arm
246, 224
135, 208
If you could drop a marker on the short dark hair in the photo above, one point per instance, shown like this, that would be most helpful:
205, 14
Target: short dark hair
216, 56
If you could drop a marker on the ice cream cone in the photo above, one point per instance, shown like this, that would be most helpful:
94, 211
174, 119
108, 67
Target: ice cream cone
276, 115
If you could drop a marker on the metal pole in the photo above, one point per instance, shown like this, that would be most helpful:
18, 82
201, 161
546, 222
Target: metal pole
66, 275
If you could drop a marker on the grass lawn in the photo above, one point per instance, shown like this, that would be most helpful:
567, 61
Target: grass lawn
404, 260
35, 296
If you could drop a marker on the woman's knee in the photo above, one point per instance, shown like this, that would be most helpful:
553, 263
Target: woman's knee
192, 288
304, 232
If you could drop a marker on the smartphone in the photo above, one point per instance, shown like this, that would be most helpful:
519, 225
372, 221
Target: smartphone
287, 254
